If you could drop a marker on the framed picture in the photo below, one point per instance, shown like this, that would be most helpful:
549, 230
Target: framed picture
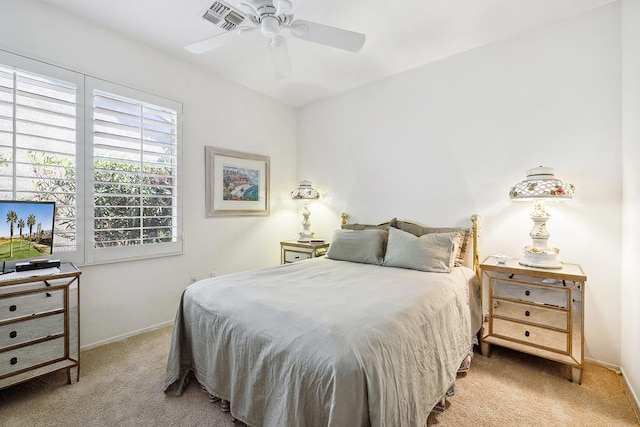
237, 183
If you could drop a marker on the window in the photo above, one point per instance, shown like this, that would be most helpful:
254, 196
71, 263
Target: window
135, 159
109, 156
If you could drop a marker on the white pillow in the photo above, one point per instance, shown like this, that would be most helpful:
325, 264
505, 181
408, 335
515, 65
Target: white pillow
430, 252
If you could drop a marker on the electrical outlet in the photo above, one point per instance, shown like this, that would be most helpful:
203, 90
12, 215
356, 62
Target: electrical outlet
214, 273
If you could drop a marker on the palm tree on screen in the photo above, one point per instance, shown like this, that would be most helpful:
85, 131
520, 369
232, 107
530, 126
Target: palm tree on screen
12, 217
31, 221
20, 227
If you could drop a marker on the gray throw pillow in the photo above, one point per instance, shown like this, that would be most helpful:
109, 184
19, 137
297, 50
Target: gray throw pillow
430, 252
364, 246
462, 239
383, 226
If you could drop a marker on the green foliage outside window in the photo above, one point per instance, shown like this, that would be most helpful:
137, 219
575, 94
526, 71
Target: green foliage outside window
133, 204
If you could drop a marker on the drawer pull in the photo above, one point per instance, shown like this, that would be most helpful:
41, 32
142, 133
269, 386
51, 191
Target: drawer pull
526, 333
297, 257
14, 360
13, 334
48, 295
527, 313
527, 293
13, 308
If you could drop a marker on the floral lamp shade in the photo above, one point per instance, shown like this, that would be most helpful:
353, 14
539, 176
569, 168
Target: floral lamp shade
541, 185
305, 192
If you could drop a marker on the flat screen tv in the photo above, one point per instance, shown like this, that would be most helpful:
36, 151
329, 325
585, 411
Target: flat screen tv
26, 230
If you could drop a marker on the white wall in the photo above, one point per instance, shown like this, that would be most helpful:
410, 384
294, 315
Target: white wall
119, 299
456, 133
631, 194
446, 140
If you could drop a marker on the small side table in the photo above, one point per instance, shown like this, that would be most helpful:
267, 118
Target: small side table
293, 251
535, 310
39, 324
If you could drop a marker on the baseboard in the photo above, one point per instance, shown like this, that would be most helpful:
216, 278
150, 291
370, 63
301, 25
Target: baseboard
618, 370
630, 389
601, 363
127, 335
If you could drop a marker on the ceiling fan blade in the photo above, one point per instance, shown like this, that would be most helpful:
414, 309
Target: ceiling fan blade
248, 8
282, 6
217, 41
330, 36
280, 57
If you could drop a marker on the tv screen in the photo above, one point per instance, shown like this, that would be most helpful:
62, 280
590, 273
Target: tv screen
26, 229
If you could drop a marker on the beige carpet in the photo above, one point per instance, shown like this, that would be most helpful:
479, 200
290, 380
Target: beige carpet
121, 385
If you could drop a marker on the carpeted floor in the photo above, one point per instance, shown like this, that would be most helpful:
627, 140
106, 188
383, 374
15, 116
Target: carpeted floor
121, 385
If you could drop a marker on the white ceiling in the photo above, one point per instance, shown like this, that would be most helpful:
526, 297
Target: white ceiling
401, 35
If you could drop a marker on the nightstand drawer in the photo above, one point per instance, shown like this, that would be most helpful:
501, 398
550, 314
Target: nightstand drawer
293, 256
533, 335
530, 293
543, 316
29, 356
292, 251
29, 304
30, 330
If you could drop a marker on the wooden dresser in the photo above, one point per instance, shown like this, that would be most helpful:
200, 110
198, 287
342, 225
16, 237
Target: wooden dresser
535, 310
39, 325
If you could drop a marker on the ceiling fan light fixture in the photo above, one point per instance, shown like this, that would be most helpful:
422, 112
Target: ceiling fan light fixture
275, 42
270, 26
280, 57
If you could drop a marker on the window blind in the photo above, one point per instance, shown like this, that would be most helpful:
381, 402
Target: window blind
38, 136
135, 155
108, 155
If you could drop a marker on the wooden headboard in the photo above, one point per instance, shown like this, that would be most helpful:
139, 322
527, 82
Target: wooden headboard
473, 237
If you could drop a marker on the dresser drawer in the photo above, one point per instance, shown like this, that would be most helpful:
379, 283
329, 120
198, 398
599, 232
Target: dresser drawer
535, 294
543, 316
529, 334
293, 256
29, 356
31, 286
29, 304
30, 330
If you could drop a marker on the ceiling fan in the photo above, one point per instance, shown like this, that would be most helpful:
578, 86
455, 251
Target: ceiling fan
270, 16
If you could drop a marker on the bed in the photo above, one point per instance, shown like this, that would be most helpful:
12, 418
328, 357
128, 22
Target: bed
370, 335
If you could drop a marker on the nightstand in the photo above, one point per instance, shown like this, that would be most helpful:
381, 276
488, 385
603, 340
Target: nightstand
292, 251
535, 310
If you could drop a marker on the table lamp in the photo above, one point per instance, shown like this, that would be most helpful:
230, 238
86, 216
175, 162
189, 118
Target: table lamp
541, 185
305, 192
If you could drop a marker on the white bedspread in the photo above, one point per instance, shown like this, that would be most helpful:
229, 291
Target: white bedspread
326, 343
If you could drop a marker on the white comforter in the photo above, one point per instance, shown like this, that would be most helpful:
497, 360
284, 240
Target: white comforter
326, 343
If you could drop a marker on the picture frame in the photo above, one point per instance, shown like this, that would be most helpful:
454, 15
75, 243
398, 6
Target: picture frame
237, 183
